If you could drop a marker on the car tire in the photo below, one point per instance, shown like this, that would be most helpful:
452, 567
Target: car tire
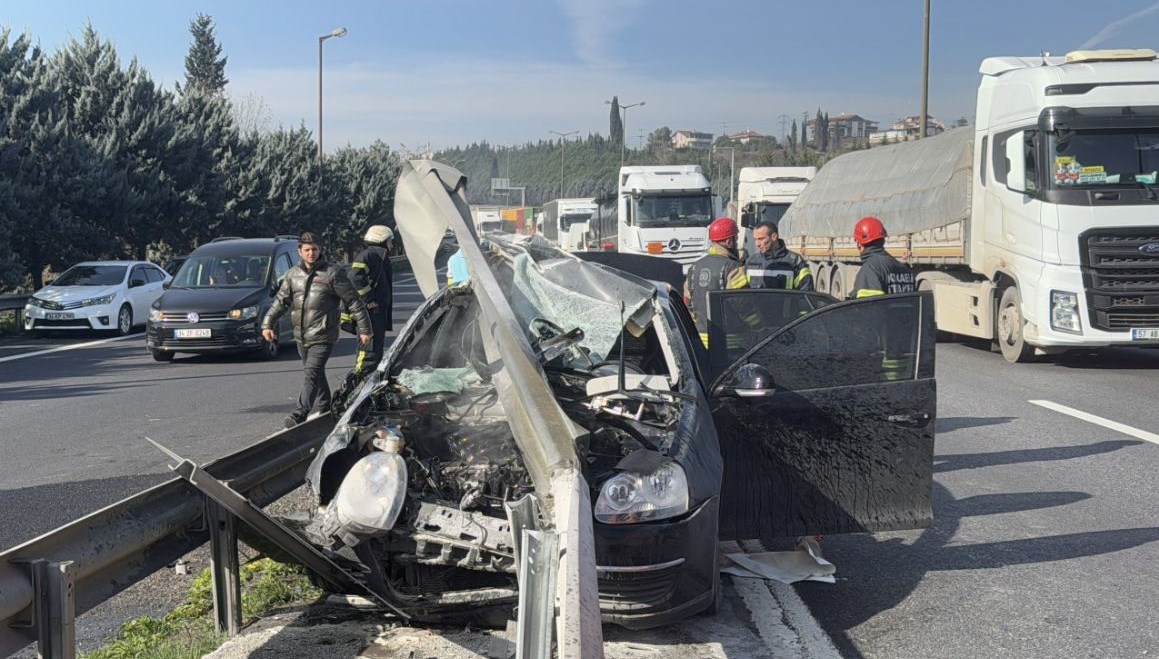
268, 350
717, 596
1008, 328
161, 355
124, 321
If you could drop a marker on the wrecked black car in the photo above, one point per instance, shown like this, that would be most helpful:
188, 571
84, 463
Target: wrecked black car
807, 416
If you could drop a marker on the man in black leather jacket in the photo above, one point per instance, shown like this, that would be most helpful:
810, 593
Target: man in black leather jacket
313, 291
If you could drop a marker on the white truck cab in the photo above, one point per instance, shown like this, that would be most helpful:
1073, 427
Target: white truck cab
765, 193
664, 211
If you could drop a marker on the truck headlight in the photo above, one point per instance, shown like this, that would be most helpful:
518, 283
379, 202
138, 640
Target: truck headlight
1064, 312
99, 301
627, 498
243, 314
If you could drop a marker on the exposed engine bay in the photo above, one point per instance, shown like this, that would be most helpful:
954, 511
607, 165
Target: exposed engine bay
450, 542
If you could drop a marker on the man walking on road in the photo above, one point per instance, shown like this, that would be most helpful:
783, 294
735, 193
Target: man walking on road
313, 291
774, 266
371, 275
720, 269
880, 273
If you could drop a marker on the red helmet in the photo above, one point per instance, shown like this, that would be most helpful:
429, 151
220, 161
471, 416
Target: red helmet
721, 229
867, 230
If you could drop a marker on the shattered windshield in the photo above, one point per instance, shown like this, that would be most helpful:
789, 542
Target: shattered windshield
1103, 157
654, 211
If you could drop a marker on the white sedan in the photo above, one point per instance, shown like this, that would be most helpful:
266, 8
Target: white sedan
97, 295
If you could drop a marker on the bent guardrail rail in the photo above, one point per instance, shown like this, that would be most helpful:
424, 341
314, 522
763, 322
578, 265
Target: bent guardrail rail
47, 581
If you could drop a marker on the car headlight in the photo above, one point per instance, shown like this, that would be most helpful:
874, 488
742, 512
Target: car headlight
627, 498
244, 314
35, 302
99, 301
154, 315
1064, 312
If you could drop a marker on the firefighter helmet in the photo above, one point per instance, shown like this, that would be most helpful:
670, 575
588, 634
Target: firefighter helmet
722, 229
378, 234
868, 230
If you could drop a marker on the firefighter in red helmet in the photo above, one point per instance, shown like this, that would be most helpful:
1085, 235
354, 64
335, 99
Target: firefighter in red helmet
880, 273
720, 269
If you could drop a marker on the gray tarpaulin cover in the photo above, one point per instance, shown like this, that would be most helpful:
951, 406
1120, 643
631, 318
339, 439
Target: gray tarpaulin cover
910, 186
572, 293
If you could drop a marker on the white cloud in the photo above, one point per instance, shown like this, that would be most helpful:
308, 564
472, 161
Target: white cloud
595, 25
448, 102
1114, 27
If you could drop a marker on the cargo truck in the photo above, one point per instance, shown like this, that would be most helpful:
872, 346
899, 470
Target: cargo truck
765, 193
1037, 228
664, 211
566, 222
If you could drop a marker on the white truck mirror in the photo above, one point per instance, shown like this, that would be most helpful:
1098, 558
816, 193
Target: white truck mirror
1016, 162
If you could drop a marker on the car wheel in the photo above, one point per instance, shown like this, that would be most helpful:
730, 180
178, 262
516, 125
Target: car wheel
717, 596
1013, 345
269, 350
162, 355
124, 321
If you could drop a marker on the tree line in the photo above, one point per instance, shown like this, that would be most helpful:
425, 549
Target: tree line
99, 161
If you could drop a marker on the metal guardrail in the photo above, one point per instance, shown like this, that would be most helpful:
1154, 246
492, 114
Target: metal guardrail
9, 302
46, 582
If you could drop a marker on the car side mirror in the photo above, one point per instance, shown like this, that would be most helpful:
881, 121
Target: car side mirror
749, 381
167, 284
134, 283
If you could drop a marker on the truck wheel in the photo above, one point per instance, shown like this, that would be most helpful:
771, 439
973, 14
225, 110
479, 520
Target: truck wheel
820, 277
837, 282
1009, 331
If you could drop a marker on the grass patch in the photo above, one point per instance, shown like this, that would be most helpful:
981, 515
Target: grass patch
187, 632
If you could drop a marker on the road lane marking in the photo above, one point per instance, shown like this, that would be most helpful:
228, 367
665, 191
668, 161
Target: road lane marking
1098, 420
74, 346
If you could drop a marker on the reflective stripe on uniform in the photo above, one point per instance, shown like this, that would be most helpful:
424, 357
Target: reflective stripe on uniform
362, 352
704, 338
868, 292
360, 266
801, 276
737, 279
363, 292
758, 272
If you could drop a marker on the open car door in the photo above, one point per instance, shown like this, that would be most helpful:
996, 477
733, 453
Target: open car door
827, 425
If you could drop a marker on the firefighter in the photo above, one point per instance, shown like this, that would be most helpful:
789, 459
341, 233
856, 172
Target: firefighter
880, 273
720, 269
774, 266
371, 275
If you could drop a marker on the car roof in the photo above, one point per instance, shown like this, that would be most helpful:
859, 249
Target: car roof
113, 263
244, 246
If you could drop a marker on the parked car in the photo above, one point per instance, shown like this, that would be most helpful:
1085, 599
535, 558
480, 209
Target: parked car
96, 295
174, 264
821, 421
216, 301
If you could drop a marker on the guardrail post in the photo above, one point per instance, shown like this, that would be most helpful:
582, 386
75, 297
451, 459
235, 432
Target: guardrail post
537, 570
224, 565
54, 609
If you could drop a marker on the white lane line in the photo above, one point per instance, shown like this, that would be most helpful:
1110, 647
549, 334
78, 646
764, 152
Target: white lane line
1098, 420
69, 347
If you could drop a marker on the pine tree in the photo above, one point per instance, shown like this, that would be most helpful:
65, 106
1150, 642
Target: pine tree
825, 134
793, 137
204, 63
616, 124
804, 134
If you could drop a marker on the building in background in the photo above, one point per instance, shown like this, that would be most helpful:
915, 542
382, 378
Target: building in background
691, 139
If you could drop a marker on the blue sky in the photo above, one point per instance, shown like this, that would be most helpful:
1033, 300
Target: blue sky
447, 72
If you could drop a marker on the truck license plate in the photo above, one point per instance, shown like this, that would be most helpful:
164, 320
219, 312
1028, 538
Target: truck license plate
58, 315
1145, 334
199, 333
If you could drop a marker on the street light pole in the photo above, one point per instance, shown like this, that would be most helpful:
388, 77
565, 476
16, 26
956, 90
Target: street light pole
925, 73
624, 126
337, 32
562, 137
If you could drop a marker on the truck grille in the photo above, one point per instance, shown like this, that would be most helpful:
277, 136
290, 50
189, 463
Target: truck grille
1121, 277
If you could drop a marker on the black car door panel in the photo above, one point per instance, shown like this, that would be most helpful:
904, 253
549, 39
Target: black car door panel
845, 442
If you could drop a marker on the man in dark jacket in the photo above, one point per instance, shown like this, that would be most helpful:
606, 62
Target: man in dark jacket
880, 273
371, 275
313, 291
774, 266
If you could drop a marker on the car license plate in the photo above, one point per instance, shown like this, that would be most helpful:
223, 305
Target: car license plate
58, 315
1147, 334
199, 333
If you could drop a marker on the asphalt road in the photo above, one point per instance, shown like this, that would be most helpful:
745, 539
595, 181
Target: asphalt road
1046, 542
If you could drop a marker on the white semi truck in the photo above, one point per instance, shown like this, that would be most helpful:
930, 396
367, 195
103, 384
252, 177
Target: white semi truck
664, 211
765, 193
1037, 228
566, 222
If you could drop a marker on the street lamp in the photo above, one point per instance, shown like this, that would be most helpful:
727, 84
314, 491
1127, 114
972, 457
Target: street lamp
337, 32
925, 71
562, 137
624, 126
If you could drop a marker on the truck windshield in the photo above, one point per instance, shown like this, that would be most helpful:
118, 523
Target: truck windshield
565, 221
772, 212
1103, 157
654, 211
